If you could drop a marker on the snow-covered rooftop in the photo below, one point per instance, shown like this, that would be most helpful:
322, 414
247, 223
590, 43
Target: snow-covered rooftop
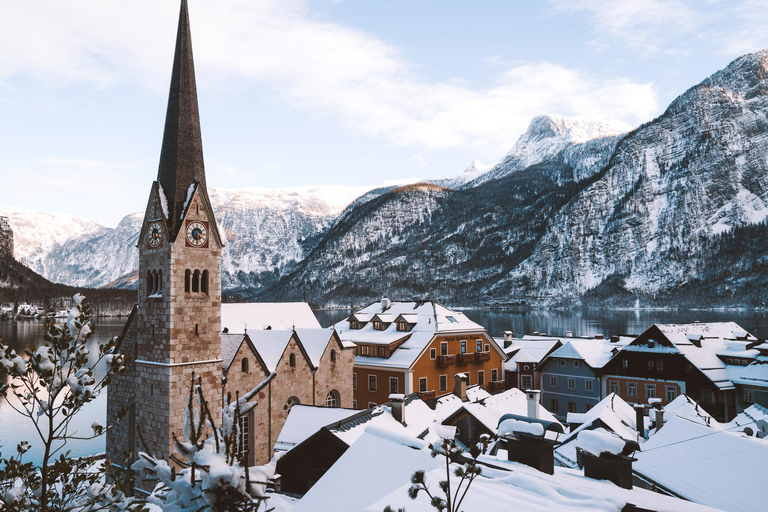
753, 375
304, 420
512, 401
264, 315
314, 342
270, 345
230, 343
719, 468
596, 353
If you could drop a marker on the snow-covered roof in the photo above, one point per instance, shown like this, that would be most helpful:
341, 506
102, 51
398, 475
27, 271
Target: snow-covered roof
506, 485
512, 401
448, 404
710, 330
718, 468
370, 469
270, 345
314, 342
262, 315
404, 356
230, 343
304, 420
596, 353
753, 375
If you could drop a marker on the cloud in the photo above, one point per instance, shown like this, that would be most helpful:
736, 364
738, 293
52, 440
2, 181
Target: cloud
308, 63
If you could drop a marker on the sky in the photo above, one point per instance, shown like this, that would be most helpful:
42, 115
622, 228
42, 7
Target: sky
344, 92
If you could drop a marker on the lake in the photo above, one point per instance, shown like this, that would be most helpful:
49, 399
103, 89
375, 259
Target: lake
582, 322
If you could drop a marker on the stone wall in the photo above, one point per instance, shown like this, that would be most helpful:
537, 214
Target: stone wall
6, 239
335, 375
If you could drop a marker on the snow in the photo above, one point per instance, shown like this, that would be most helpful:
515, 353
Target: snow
597, 443
315, 341
304, 420
512, 426
596, 353
190, 191
271, 345
163, 199
701, 463
262, 315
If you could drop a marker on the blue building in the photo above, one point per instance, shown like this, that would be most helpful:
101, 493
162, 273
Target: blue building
570, 376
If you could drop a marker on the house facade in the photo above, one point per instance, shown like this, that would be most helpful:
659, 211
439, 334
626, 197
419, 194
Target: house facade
525, 354
417, 347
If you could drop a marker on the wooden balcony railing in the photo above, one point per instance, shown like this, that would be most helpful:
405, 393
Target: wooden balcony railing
426, 395
466, 358
496, 386
483, 356
446, 360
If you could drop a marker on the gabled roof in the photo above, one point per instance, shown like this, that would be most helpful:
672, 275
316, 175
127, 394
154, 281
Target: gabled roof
489, 410
719, 468
753, 375
262, 315
230, 344
596, 353
271, 344
305, 420
315, 342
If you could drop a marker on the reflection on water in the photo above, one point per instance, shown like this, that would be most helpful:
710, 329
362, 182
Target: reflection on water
14, 428
582, 322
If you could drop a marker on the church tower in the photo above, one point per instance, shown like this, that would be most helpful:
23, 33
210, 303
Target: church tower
175, 329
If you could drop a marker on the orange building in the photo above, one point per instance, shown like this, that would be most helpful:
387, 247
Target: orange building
417, 347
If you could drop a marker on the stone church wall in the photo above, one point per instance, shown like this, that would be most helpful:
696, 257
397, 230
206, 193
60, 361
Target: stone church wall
6, 239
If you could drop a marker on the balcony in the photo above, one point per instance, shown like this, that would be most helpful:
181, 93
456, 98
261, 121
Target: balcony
426, 395
483, 356
466, 358
496, 386
446, 360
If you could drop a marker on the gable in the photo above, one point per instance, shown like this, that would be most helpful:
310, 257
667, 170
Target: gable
156, 211
197, 207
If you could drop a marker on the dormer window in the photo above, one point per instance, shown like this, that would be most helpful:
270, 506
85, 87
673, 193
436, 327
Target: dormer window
378, 325
402, 326
354, 324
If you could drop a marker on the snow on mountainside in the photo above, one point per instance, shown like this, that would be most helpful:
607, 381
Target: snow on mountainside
474, 171
549, 135
665, 212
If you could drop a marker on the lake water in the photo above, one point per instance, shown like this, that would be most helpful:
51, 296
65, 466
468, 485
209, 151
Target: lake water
26, 335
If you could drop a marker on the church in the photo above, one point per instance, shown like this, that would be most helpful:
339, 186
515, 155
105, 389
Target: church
180, 327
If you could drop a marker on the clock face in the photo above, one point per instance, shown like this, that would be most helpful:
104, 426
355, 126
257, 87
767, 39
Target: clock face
197, 234
155, 234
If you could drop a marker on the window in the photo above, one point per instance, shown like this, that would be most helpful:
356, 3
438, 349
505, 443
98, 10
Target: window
244, 365
729, 360
443, 383
149, 283
650, 391
402, 326
204, 282
588, 385
245, 436
625, 363
707, 396
749, 396
463, 346
364, 350
354, 404
576, 364
526, 381
159, 281
481, 377
333, 355
371, 383
422, 384
587, 407
187, 281
651, 365
494, 375
291, 402
614, 387
561, 362
670, 393
433, 353
354, 324
571, 384
479, 345
333, 399
292, 360
660, 365
487, 348
377, 325
553, 381
354, 381
444, 348
196, 281
371, 405
571, 406
631, 389
394, 385
451, 319
382, 351
553, 405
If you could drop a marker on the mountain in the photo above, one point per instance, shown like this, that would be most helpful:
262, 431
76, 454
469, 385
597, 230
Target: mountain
564, 220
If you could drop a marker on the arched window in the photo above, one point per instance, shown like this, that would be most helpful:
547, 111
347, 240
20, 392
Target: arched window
159, 281
333, 399
292, 360
333, 355
187, 281
155, 283
196, 282
149, 282
291, 402
204, 284
244, 365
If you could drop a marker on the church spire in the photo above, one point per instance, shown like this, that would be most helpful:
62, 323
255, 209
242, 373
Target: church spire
181, 157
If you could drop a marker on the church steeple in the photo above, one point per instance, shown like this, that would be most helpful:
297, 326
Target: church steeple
181, 157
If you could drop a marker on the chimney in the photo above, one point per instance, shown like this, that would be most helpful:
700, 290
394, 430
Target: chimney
526, 442
385, 304
614, 339
533, 402
599, 337
397, 404
508, 335
640, 420
658, 412
460, 386
535, 333
614, 462
659, 419
569, 334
